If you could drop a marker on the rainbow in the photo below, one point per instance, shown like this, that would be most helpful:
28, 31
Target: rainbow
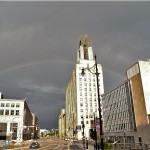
21, 66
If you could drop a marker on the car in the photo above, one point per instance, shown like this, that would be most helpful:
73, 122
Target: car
34, 145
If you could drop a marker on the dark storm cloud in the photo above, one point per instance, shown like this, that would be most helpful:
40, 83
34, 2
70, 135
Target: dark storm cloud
39, 41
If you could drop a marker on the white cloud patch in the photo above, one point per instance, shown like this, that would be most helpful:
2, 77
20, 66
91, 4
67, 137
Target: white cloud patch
28, 84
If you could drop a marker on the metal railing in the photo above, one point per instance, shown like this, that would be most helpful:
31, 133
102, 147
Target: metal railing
130, 146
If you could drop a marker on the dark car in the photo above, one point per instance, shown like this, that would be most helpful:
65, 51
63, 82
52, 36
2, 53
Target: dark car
34, 145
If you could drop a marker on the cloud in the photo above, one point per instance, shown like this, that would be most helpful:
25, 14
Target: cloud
39, 43
44, 89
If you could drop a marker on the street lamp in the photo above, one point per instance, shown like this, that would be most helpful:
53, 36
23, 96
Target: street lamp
95, 130
99, 100
73, 123
124, 137
83, 138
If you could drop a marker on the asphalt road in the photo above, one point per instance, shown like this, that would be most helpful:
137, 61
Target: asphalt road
53, 144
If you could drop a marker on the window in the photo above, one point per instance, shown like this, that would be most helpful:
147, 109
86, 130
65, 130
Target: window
2, 105
6, 112
7, 104
81, 99
17, 112
81, 104
17, 105
13, 105
12, 112
1, 112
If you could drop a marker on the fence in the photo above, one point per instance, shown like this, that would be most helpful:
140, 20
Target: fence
130, 146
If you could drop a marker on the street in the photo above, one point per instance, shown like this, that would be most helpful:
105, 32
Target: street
52, 144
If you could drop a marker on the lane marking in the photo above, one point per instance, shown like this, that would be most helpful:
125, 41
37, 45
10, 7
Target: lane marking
56, 147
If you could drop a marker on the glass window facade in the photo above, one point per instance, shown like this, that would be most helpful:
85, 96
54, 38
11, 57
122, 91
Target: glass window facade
118, 113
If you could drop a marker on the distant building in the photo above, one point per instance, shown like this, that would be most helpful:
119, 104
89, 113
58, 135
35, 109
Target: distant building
126, 109
43, 132
81, 93
35, 125
15, 119
62, 124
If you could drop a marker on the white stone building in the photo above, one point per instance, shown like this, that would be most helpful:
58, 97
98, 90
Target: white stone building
15, 115
81, 92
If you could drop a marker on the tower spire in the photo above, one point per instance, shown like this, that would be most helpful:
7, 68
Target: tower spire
85, 51
84, 40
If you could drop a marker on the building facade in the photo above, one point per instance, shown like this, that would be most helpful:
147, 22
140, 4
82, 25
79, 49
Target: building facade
126, 108
62, 124
35, 126
15, 116
81, 92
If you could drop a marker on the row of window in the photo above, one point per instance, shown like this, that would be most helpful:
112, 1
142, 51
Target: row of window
90, 74
90, 89
85, 84
126, 108
85, 93
86, 104
10, 105
120, 127
90, 99
87, 110
9, 112
85, 79
121, 91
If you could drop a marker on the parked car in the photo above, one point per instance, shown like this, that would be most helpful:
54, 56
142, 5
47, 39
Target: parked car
34, 145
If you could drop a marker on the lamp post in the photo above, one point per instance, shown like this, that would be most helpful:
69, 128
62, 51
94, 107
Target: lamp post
99, 101
95, 131
83, 126
73, 123
124, 137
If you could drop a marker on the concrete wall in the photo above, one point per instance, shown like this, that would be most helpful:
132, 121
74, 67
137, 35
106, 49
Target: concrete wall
143, 129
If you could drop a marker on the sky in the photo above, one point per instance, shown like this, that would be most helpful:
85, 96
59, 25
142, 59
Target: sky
39, 43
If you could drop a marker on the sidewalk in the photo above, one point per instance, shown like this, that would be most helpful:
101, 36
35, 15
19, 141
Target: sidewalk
16, 146
88, 146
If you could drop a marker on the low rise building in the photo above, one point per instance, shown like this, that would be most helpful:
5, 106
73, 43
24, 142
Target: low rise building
126, 109
15, 120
